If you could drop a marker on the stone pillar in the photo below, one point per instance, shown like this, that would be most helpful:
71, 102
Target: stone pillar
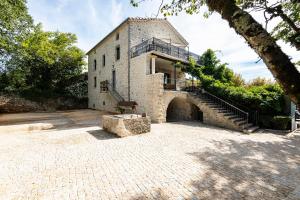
153, 64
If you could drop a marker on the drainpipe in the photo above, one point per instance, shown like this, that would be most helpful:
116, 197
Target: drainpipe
129, 58
175, 76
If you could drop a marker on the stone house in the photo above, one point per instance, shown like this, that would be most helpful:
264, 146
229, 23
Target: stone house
136, 64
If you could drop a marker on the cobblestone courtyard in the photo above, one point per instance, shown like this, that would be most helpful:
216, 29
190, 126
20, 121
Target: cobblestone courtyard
174, 161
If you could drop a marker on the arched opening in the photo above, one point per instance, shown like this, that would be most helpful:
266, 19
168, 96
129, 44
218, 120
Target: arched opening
180, 109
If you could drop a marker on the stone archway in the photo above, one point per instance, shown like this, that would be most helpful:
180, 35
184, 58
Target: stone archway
180, 109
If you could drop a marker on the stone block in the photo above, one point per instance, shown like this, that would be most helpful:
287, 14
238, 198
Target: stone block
126, 124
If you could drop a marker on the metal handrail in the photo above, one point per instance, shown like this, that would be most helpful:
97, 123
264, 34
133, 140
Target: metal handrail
114, 93
155, 44
204, 91
235, 110
253, 114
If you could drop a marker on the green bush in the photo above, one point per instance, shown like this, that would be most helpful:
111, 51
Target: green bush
281, 122
265, 121
266, 97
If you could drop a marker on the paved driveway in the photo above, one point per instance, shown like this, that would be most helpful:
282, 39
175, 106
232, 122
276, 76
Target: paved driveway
174, 161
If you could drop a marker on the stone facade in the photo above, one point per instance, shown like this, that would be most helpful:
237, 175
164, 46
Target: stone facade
143, 78
102, 72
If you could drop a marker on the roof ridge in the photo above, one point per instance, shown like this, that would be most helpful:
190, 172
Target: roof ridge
146, 18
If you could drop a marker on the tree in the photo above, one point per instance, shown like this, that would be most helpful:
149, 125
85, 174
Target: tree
45, 62
260, 81
15, 24
238, 80
211, 65
288, 29
279, 64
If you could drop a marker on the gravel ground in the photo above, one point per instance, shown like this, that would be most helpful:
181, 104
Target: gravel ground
185, 160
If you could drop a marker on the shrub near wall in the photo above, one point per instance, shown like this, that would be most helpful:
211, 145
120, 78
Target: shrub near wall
267, 99
259, 95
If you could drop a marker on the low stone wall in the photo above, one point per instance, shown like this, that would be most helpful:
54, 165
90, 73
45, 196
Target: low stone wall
126, 125
16, 104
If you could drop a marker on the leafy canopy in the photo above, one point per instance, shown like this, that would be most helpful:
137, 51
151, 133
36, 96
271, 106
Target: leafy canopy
15, 24
287, 13
45, 62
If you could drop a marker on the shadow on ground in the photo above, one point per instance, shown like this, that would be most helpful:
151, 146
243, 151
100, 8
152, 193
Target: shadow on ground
246, 170
102, 135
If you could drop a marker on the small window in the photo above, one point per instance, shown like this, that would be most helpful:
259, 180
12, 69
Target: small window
103, 60
95, 64
103, 103
103, 86
118, 53
117, 36
95, 81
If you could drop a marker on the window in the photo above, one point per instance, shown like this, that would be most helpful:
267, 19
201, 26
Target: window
117, 36
95, 81
95, 64
118, 53
103, 60
103, 86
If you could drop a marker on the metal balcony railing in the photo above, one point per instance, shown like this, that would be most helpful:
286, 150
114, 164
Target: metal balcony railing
154, 44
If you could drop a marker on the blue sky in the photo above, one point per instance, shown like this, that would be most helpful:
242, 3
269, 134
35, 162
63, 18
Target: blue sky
91, 20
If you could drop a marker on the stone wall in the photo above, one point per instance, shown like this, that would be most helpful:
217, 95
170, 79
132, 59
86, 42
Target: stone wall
142, 30
16, 104
104, 101
138, 81
158, 105
126, 125
181, 109
155, 97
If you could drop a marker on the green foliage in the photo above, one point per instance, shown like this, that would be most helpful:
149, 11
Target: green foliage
15, 24
78, 89
44, 62
281, 122
212, 66
283, 29
287, 14
265, 97
237, 80
260, 81
275, 122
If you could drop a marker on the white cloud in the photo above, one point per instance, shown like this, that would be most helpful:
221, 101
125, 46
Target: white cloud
91, 20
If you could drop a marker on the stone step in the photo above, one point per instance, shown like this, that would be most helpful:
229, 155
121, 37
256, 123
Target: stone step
233, 117
239, 120
251, 129
241, 123
230, 115
225, 111
217, 108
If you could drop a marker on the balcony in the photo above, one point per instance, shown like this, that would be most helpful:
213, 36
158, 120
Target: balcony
154, 44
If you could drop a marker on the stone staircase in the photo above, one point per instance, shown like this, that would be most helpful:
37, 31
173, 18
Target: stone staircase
128, 106
237, 118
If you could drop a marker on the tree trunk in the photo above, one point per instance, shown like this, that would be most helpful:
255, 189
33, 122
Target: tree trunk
283, 70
